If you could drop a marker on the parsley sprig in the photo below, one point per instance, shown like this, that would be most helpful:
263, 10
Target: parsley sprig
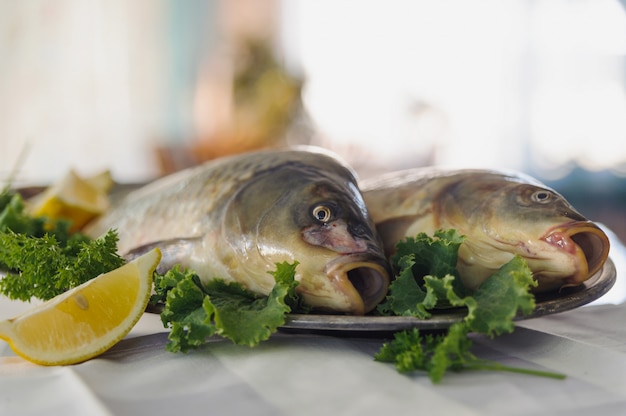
41, 260
432, 285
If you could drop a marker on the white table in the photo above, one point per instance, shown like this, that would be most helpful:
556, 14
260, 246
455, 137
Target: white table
309, 374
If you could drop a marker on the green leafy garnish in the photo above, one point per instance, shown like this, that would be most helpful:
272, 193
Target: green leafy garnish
42, 267
490, 310
14, 217
438, 353
195, 311
42, 259
503, 296
416, 261
436, 255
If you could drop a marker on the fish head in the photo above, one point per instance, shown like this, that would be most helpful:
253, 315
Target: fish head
503, 216
317, 218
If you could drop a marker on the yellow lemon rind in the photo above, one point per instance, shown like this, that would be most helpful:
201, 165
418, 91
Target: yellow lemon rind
144, 266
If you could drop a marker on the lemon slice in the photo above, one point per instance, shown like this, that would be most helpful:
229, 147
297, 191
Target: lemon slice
74, 198
87, 320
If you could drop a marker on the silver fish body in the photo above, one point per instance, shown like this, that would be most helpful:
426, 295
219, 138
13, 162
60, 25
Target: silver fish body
501, 214
234, 218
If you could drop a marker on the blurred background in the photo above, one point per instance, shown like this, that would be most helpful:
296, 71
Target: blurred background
147, 87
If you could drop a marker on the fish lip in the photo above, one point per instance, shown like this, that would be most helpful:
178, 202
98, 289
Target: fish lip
363, 279
581, 237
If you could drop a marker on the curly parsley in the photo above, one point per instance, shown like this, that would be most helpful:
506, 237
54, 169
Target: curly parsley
40, 260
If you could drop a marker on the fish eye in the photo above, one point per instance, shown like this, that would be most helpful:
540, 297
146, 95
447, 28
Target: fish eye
541, 196
322, 213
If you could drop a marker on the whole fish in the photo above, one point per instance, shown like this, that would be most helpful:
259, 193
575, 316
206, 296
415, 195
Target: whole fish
236, 217
501, 214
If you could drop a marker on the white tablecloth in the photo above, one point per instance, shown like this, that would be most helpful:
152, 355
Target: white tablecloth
311, 374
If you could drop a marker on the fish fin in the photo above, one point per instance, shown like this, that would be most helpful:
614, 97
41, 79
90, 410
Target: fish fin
393, 230
173, 252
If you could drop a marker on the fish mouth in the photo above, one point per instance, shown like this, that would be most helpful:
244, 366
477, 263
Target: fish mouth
586, 242
363, 282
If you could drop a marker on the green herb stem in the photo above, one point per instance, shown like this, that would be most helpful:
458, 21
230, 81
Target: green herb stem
495, 366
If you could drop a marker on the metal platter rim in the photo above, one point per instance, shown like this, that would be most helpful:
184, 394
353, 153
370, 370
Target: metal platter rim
568, 299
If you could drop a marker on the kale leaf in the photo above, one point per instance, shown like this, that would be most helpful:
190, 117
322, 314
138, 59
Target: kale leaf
490, 310
195, 311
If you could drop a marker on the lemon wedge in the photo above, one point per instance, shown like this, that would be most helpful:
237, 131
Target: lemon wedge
102, 181
87, 320
74, 198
